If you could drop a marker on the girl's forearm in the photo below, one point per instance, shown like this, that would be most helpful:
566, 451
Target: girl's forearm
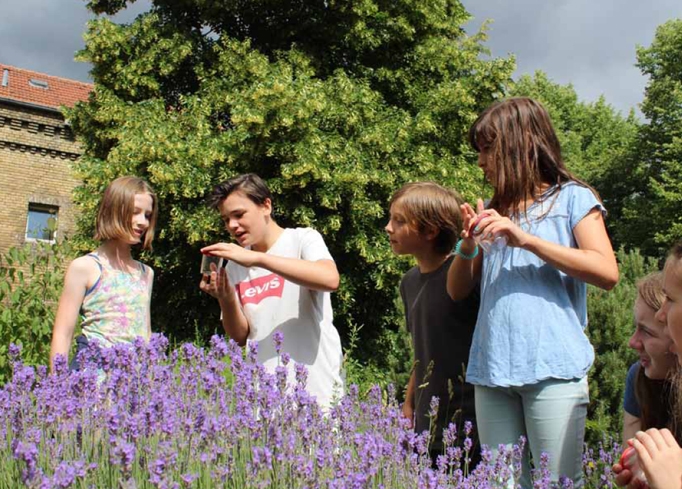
463, 274
594, 267
60, 345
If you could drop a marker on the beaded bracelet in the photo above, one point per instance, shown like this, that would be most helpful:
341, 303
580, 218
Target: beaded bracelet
458, 251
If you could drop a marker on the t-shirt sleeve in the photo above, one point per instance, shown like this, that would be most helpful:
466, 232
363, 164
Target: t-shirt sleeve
582, 201
630, 403
313, 247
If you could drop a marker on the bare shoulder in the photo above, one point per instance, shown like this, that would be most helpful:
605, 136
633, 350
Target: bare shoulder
83, 264
83, 270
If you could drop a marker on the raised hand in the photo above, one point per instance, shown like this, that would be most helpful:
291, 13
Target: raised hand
217, 284
233, 252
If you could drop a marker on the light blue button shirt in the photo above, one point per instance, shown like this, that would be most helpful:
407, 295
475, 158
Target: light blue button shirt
532, 319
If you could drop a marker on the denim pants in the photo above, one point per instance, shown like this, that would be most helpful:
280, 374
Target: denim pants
551, 415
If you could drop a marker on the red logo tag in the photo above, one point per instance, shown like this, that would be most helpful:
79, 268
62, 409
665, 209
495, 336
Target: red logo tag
254, 291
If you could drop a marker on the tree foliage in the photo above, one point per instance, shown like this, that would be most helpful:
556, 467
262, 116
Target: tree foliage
336, 104
653, 211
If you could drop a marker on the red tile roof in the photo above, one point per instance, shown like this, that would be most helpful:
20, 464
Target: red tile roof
19, 85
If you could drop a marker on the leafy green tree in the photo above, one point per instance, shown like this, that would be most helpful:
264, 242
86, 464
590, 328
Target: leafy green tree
335, 103
653, 211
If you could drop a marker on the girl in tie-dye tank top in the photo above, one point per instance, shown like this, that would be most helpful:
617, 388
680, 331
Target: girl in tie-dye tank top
107, 288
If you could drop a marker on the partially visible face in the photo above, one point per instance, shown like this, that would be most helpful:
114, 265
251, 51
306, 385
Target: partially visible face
404, 239
671, 310
652, 342
245, 220
144, 206
485, 163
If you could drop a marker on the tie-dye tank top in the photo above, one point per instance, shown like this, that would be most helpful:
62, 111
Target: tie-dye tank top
115, 308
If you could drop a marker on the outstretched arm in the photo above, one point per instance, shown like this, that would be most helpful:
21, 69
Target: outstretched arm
316, 275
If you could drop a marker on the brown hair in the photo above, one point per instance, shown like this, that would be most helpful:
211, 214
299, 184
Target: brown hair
428, 205
521, 141
653, 396
250, 184
115, 215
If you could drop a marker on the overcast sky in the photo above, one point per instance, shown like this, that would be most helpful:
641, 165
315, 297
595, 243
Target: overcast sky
589, 43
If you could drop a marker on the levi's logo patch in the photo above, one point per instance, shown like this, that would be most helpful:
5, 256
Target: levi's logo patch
254, 291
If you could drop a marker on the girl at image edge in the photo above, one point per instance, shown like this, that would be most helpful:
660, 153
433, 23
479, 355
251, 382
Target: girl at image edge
108, 288
660, 455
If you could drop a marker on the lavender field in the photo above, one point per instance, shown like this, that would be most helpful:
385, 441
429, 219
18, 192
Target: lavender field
213, 417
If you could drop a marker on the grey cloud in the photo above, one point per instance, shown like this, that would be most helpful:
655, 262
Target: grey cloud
588, 43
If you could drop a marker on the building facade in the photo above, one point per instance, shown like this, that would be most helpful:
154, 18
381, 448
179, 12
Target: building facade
37, 150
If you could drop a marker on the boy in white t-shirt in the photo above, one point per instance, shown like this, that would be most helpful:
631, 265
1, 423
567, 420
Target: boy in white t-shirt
276, 280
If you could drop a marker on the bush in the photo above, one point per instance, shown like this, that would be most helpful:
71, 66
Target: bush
31, 279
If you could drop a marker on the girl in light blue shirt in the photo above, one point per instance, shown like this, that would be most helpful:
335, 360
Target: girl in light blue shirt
530, 355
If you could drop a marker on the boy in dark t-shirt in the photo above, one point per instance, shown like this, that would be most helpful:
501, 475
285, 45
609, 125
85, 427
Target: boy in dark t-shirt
425, 222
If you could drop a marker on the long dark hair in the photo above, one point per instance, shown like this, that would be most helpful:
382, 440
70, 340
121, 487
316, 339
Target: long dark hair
518, 135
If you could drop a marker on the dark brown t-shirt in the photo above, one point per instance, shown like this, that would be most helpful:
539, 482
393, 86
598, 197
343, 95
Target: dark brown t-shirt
441, 331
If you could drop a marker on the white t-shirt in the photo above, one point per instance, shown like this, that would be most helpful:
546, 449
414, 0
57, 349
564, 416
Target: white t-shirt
304, 316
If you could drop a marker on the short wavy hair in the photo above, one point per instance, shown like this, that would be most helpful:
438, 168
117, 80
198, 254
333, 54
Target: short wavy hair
427, 205
115, 215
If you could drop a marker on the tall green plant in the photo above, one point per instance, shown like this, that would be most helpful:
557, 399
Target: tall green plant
610, 327
31, 279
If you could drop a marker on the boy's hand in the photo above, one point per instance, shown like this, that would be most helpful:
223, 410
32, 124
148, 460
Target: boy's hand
217, 284
233, 252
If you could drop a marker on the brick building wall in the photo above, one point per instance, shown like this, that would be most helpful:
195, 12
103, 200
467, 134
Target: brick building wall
37, 150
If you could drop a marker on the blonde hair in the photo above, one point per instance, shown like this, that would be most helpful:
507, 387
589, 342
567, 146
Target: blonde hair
429, 206
115, 215
650, 289
675, 259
